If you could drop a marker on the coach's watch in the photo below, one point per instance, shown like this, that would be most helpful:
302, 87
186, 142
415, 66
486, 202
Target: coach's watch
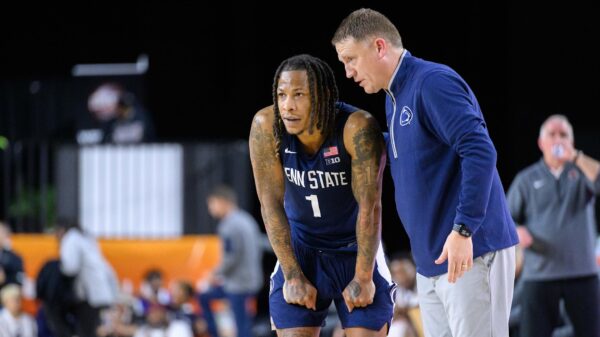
462, 230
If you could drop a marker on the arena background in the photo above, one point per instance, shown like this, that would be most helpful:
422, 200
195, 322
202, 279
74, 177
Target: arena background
211, 65
523, 61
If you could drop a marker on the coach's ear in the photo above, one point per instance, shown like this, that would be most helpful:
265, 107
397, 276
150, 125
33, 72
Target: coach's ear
381, 46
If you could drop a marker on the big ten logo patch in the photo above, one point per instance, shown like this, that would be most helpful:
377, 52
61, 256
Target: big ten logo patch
331, 161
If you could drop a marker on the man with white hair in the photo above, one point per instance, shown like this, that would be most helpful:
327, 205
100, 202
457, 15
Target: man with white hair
13, 321
552, 201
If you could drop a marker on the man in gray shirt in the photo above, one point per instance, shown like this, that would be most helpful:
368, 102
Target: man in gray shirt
239, 277
552, 201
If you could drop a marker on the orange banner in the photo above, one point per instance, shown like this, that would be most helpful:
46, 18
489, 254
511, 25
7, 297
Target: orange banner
189, 258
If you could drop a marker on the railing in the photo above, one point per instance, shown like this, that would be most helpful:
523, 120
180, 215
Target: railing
27, 195
155, 190
131, 191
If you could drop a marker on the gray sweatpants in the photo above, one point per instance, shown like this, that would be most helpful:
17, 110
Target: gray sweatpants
477, 305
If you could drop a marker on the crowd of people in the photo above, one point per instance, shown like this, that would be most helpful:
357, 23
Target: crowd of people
80, 294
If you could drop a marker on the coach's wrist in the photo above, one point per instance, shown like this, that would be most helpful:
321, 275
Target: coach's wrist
462, 230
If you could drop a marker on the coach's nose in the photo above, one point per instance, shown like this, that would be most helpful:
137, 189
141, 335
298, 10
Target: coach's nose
350, 72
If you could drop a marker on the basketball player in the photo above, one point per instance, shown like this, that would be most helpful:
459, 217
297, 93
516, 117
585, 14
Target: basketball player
318, 167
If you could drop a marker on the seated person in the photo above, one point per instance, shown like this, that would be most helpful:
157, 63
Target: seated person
13, 321
404, 274
118, 116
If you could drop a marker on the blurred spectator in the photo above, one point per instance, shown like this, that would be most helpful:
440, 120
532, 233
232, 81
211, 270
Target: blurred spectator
153, 291
42, 324
181, 307
11, 264
95, 282
118, 320
552, 201
158, 325
239, 277
119, 116
13, 321
404, 274
58, 301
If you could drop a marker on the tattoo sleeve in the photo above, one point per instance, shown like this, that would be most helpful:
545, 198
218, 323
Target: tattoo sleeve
368, 162
268, 177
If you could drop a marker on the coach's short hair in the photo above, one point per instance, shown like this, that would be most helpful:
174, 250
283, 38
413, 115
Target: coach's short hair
365, 23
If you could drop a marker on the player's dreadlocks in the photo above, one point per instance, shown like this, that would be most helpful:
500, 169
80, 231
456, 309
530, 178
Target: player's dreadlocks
323, 94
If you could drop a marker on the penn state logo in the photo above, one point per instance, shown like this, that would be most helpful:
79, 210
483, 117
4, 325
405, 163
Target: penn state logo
406, 115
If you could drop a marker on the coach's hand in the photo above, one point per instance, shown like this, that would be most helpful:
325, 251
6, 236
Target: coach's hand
458, 250
359, 293
299, 290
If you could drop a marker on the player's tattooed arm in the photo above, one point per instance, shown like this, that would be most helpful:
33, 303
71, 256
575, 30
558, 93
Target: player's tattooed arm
366, 147
268, 177
364, 141
269, 180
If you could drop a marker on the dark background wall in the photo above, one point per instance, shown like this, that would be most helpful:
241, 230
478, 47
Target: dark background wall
215, 62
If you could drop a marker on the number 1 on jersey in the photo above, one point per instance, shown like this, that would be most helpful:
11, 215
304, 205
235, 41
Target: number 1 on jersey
314, 202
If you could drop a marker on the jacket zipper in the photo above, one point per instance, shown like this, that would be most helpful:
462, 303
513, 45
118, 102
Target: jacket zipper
391, 126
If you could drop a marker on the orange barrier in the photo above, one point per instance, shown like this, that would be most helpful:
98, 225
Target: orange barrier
189, 258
